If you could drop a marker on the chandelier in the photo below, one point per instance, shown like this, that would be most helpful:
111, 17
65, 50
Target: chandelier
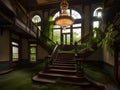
64, 19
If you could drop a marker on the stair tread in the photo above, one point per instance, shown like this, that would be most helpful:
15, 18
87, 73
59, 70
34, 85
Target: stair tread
47, 80
36, 78
64, 61
60, 75
62, 70
77, 83
62, 66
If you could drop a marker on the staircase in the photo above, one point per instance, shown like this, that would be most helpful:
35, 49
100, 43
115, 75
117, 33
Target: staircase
62, 70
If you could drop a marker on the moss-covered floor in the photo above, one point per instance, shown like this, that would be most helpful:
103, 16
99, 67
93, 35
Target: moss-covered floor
21, 79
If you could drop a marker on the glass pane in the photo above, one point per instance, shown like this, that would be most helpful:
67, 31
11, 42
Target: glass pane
64, 39
68, 39
76, 15
36, 19
39, 27
77, 25
98, 12
32, 57
14, 43
33, 50
56, 15
66, 31
68, 12
56, 26
76, 34
56, 36
15, 53
96, 24
33, 44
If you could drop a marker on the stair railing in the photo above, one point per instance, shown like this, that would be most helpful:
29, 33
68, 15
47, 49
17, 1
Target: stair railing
80, 57
50, 58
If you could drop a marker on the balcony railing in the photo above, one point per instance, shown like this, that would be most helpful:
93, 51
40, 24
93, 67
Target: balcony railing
25, 21
19, 17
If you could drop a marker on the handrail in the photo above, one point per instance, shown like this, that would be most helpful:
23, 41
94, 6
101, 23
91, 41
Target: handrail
84, 38
17, 13
26, 19
52, 56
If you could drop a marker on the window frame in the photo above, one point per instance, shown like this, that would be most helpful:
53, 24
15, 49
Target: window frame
16, 45
77, 21
32, 45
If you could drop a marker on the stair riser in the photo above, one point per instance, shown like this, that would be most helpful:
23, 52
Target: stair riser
64, 68
61, 72
65, 58
70, 65
63, 63
81, 79
43, 82
69, 61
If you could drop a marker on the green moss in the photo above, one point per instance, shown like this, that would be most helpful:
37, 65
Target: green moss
95, 73
21, 79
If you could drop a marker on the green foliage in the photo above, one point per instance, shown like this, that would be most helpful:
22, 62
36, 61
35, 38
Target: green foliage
93, 37
51, 24
109, 38
46, 34
20, 79
40, 66
47, 27
49, 43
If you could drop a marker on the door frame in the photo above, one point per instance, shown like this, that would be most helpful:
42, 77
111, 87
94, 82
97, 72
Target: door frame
64, 35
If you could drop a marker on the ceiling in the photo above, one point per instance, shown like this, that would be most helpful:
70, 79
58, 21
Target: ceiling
31, 5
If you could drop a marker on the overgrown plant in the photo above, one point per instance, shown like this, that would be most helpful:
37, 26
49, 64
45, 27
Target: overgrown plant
109, 38
94, 37
101, 38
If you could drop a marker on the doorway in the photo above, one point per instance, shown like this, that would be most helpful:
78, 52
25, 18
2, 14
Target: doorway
66, 38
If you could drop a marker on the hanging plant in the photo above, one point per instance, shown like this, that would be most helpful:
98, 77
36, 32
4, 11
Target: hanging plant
109, 38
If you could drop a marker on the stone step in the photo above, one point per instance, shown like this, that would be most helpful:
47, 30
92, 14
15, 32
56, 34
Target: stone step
62, 67
59, 60
61, 64
71, 60
64, 58
55, 62
61, 76
44, 79
61, 71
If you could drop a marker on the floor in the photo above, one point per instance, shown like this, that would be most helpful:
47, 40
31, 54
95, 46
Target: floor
21, 79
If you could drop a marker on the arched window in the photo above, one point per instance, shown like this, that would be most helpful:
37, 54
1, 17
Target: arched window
98, 12
37, 20
97, 16
72, 33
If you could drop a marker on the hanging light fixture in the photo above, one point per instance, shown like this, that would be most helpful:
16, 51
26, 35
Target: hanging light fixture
64, 19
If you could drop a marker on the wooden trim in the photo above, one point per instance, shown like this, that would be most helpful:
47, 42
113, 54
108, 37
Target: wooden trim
1, 62
10, 46
108, 64
116, 56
